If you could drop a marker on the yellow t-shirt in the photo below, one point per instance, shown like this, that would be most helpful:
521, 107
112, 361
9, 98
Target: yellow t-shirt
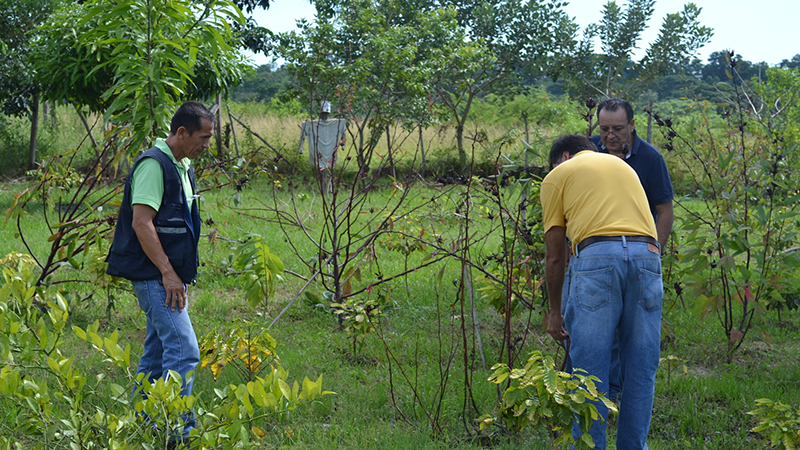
596, 194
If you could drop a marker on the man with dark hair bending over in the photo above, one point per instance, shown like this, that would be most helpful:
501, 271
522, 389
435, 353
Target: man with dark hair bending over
597, 201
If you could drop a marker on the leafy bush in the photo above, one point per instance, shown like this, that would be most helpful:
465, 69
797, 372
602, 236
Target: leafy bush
13, 145
780, 422
60, 405
258, 269
15, 135
540, 395
733, 250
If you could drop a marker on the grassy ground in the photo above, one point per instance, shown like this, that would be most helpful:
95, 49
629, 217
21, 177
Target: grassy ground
700, 403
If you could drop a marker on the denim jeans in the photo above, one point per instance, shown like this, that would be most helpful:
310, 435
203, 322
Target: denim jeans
614, 376
170, 343
616, 289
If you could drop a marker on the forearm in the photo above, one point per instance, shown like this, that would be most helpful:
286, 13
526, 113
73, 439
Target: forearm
555, 266
554, 275
666, 216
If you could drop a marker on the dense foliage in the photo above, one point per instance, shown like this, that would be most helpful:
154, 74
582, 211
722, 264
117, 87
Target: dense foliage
136, 60
422, 279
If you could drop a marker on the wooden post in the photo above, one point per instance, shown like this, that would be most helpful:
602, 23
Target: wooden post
422, 152
34, 131
218, 125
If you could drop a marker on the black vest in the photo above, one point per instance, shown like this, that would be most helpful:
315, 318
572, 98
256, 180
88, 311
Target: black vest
178, 229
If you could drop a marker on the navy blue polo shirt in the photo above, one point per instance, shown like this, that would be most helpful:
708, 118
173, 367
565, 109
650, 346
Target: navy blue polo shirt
651, 168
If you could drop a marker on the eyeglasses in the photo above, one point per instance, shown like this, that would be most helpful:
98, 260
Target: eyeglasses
616, 131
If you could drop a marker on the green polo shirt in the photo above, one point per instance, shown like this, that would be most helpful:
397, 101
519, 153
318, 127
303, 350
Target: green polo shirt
147, 185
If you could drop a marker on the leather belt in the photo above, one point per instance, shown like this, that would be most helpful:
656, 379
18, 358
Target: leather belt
595, 239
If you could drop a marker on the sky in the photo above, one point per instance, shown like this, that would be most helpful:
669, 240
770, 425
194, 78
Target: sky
763, 30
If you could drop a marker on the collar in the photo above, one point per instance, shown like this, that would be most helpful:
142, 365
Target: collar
162, 145
636, 144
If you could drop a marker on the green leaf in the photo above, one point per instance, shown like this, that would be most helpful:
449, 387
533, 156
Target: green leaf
79, 332
285, 389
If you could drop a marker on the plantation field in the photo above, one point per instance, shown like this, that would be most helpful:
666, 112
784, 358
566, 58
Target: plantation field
389, 294
405, 386
395, 299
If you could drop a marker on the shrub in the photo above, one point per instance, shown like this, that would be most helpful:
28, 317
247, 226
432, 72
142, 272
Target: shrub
64, 406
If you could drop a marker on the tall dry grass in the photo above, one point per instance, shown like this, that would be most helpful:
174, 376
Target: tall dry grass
438, 142
63, 131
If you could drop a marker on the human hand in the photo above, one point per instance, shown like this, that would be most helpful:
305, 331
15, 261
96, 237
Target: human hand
555, 326
176, 291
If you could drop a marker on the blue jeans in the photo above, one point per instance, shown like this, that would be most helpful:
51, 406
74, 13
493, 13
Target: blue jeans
170, 343
614, 376
616, 289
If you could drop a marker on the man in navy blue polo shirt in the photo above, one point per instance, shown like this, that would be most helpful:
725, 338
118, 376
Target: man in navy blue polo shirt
618, 137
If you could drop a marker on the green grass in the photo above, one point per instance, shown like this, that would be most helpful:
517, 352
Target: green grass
705, 407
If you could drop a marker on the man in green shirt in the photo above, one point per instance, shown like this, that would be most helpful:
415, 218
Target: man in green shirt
155, 246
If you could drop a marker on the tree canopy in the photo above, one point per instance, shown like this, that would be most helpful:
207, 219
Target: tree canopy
18, 19
450, 51
135, 60
613, 72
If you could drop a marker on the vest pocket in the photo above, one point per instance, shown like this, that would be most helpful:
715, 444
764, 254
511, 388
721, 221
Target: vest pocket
173, 241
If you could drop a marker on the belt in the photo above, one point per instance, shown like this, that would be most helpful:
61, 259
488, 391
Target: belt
595, 239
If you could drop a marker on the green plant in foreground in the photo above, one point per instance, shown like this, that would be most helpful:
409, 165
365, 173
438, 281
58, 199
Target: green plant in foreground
58, 404
778, 421
540, 395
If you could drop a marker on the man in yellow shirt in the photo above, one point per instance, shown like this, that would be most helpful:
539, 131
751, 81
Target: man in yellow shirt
597, 201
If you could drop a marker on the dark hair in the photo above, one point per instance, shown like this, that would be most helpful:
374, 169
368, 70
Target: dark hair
613, 104
189, 116
572, 143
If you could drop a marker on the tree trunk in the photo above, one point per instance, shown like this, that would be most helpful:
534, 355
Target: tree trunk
34, 131
218, 126
87, 127
360, 158
233, 130
650, 122
389, 148
422, 152
462, 155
